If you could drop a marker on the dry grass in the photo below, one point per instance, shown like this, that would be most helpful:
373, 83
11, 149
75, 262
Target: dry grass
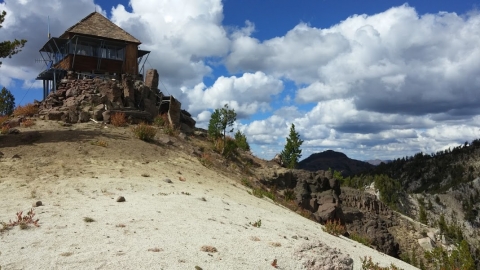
254, 238
5, 129
101, 143
27, 110
334, 228
161, 120
118, 119
368, 264
170, 130
3, 118
156, 249
206, 159
208, 249
144, 132
28, 123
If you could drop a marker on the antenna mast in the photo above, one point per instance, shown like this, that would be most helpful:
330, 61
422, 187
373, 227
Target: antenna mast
49, 36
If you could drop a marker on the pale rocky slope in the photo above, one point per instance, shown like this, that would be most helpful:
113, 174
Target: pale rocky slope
160, 225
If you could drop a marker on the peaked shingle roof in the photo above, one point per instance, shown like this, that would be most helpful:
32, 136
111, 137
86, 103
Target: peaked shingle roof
95, 24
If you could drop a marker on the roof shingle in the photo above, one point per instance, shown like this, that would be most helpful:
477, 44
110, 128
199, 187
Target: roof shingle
95, 24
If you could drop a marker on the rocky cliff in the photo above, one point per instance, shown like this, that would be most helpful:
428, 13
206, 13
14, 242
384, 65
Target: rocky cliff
321, 194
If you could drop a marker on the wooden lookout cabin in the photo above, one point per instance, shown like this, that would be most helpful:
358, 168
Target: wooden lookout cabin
95, 46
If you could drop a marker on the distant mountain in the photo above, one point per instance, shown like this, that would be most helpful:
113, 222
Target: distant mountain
376, 162
334, 160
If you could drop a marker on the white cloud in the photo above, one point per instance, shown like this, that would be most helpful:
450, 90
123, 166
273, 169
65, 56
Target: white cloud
247, 94
180, 34
382, 85
395, 61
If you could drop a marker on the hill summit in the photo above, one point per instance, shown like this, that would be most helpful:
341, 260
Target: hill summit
337, 161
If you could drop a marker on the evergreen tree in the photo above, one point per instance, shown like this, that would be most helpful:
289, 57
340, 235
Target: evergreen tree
220, 120
292, 152
241, 141
9, 48
7, 102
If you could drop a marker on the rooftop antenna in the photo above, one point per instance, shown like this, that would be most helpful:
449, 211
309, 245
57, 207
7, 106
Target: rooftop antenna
49, 36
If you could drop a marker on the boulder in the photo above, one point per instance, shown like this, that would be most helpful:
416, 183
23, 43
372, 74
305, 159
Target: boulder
106, 116
329, 211
186, 129
426, 243
151, 79
84, 117
98, 112
54, 115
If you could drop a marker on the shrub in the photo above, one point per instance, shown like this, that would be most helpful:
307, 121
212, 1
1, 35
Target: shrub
3, 119
361, 239
144, 132
23, 221
247, 183
206, 160
27, 110
256, 224
289, 195
334, 227
118, 119
171, 130
241, 141
28, 123
367, 264
226, 146
260, 193
5, 129
161, 120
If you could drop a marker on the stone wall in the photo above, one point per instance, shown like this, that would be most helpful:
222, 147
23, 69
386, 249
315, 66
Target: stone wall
79, 100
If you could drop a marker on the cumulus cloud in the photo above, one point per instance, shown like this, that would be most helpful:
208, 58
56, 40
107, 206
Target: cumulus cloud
247, 94
180, 34
29, 20
396, 61
373, 86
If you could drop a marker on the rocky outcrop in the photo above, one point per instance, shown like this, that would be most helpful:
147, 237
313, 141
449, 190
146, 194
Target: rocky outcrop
319, 193
318, 256
79, 100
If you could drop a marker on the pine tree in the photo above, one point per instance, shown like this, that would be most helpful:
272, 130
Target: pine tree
241, 141
7, 102
9, 48
220, 120
292, 152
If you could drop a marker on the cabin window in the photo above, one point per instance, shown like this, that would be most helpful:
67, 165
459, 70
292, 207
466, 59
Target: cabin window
111, 52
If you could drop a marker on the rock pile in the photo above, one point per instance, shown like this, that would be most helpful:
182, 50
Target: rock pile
79, 100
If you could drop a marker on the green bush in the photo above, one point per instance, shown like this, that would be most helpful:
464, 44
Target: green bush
144, 132
289, 195
367, 264
241, 141
160, 120
361, 239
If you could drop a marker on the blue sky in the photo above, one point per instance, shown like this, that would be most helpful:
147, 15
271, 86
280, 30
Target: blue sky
372, 79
